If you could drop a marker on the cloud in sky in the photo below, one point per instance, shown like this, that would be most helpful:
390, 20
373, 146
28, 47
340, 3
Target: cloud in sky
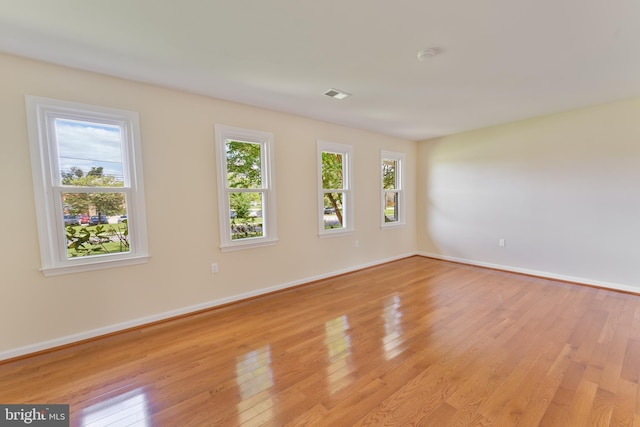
86, 145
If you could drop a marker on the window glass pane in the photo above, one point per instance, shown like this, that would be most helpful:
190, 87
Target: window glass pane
389, 168
246, 215
89, 154
244, 169
95, 223
390, 206
332, 171
333, 210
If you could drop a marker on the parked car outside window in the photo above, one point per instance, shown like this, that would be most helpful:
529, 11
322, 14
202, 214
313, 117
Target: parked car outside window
94, 220
71, 220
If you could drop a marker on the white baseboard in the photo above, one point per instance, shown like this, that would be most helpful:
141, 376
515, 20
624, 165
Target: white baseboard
70, 339
544, 274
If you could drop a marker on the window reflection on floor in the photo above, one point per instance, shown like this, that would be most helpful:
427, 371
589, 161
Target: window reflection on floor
127, 409
254, 375
392, 327
253, 371
338, 343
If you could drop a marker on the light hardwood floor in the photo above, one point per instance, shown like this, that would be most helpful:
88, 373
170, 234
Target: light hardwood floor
413, 342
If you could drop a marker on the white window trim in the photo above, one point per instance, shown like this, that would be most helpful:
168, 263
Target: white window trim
265, 139
349, 209
40, 113
399, 158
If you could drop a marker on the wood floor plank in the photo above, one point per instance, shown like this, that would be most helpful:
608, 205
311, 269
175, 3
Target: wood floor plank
413, 342
602, 408
580, 408
625, 401
630, 366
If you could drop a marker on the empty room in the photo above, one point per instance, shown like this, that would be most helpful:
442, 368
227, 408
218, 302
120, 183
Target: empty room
293, 213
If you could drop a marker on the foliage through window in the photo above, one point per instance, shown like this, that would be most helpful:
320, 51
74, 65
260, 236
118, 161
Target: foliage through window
88, 184
335, 195
247, 197
392, 192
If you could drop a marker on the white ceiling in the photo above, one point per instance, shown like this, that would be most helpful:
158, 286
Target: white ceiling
500, 60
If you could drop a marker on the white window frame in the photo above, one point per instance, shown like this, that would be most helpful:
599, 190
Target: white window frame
41, 115
270, 231
348, 213
399, 159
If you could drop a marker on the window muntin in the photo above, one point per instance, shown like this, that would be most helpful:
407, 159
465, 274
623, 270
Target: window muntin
335, 195
86, 162
246, 191
392, 192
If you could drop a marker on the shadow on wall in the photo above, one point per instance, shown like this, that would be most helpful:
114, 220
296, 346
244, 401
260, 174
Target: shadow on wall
556, 194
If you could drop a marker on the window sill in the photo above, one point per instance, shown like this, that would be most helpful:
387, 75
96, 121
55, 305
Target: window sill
94, 265
247, 245
335, 233
391, 225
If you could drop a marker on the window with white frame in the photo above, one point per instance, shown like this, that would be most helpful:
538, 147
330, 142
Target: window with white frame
87, 174
392, 191
335, 195
246, 192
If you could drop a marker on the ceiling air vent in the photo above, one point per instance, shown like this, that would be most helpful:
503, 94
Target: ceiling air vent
337, 94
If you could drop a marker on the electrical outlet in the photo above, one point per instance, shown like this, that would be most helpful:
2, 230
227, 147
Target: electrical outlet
502, 242
356, 244
214, 267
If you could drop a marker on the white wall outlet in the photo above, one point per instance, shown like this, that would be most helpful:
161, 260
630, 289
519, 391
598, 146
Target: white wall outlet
502, 242
356, 244
214, 267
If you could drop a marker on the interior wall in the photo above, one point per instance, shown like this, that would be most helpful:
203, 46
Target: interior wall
561, 190
177, 130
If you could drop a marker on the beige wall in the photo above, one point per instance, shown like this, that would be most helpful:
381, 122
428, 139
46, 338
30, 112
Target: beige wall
179, 172
562, 190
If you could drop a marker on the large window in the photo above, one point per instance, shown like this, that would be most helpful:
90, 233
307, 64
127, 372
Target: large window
87, 169
245, 188
392, 192
335, 195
